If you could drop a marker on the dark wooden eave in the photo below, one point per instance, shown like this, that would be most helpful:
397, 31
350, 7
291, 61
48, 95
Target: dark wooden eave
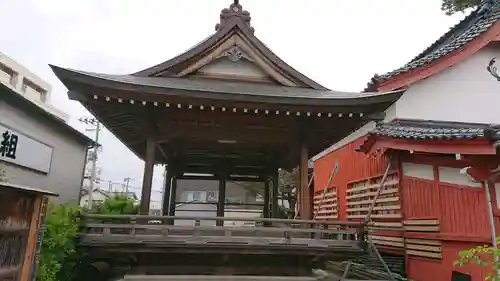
162, 88
234, 18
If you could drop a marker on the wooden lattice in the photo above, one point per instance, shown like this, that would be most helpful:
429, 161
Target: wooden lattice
325, 204
360, 195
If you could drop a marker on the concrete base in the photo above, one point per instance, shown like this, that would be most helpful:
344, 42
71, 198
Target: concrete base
213, 278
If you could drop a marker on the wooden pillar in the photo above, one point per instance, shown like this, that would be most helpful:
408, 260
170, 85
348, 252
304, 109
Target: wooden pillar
305, 193
173, 195
166, 191
30, 247
265, 210
222, 199
274, 198
147, 180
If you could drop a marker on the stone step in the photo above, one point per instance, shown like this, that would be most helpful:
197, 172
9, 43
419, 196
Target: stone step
214, 278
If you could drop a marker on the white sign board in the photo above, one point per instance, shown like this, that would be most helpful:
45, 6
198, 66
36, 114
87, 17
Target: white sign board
24, 151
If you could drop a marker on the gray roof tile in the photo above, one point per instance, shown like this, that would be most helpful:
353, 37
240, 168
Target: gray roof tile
434, 130
472, 26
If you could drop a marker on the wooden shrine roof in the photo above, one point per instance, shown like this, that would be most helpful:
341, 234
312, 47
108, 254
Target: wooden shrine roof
229, 87
159, 88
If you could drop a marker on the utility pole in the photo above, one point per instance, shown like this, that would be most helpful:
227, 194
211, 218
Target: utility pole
97, 128
126, 183
110, 186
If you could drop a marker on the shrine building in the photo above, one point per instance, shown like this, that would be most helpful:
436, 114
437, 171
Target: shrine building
228, 107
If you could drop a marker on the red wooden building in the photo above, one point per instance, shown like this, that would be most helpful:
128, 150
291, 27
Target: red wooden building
440, 137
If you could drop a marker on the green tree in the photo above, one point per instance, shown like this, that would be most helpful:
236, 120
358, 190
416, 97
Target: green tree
451, 7
485, 256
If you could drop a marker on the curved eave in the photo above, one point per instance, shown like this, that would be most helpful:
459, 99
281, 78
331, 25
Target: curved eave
157, 87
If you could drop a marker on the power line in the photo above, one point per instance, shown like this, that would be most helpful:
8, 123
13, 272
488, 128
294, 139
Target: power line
122, 185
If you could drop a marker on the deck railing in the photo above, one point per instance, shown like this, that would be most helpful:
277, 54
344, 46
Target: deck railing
176, 230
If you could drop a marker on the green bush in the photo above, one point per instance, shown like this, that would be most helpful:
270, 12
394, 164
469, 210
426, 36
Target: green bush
59, 258
58, 252
485, 256
117, 205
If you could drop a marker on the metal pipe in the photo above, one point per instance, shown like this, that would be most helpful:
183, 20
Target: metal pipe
490, 214
386, 174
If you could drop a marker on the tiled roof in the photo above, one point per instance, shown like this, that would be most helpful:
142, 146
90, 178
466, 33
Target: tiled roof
472, 26
434, 130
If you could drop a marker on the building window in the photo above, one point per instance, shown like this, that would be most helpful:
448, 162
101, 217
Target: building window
6, 74
459, 276
195, 196
454, 176
33, 91
212, 196
418, 171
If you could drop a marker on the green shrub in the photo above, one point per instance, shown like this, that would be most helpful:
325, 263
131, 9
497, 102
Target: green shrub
59, 258
485, 256
117, 205
58, 252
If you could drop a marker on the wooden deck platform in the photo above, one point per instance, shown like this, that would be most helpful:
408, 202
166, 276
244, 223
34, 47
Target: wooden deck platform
122, 233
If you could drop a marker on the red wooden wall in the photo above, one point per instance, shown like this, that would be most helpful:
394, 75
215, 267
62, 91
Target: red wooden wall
461, 211
420, 269
463, 219
352, 166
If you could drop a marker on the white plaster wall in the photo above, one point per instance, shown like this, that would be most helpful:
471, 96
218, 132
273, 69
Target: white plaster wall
418, 171
465, 92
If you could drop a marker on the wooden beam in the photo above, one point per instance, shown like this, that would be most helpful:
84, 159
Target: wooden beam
147, 180
266, 198
230, 178
226, 136
222, 198
166, 191
211, 169
274, 198
173, 196
305, 194
31, 243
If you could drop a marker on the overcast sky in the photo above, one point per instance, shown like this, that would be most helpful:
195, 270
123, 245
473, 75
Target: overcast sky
340, 44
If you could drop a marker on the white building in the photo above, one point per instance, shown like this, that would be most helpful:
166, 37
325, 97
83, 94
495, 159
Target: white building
29, 85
